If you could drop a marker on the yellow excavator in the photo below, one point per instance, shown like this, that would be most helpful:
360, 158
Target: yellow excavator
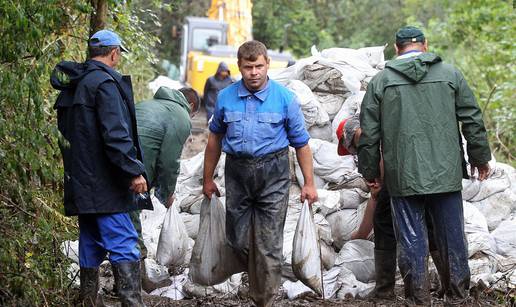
207, 41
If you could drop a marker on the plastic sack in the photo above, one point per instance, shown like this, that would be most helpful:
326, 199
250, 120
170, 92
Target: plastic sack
213, 260
505, 238
306, 254
173, 239
358, 257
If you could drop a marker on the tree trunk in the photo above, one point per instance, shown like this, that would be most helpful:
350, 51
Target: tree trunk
98, 16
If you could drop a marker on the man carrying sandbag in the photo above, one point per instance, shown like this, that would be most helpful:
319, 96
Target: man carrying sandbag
412, 110
254, 122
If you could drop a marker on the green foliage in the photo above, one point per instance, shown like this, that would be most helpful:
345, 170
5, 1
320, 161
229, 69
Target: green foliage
35, 36
478, 37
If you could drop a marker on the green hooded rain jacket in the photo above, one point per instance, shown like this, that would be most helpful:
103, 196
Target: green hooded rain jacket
411, 112
163, 126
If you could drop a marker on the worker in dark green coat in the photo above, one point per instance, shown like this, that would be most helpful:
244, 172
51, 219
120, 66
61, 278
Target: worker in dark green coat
410, 115
164, 125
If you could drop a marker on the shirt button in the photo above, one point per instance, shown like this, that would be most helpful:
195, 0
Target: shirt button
248, 97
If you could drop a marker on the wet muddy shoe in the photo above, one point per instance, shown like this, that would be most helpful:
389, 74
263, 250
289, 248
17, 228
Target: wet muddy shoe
385, 268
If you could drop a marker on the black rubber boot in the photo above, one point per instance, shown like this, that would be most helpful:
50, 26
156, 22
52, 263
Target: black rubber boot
88, 296
128, 283
385, 268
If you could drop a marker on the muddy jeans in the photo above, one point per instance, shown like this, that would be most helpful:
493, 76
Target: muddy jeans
256, 207
447, 217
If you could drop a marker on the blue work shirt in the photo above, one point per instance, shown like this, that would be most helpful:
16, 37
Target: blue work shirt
259, 123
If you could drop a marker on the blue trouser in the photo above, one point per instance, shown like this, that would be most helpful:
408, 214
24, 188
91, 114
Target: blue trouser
446, 214
101, 234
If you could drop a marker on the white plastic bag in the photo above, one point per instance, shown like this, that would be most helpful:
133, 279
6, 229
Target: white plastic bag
173, 239
358, 257
306, 254
213, 260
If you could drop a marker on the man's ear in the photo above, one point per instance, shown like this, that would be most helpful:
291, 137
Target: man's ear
396, 49
425, 45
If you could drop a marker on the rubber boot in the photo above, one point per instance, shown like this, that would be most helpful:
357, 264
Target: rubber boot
128, 283
385, 268
88, 296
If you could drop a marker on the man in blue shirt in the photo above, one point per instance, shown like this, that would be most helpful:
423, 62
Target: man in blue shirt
254, 122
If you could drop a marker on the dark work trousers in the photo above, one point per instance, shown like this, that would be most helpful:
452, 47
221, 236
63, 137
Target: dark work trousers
447, 217
256, 207
137, 223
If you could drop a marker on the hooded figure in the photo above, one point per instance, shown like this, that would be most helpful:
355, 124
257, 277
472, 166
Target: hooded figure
214, 84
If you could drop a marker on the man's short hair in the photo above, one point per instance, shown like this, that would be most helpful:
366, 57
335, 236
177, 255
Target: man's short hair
192, 97
99, 51
251, 50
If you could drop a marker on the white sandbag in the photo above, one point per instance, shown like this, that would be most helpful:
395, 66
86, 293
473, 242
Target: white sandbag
358, 257
152, 222
191, 224
331, 103
352, 198
328, 164
173, 239
213, 260
154, 276
511, 173
71, 250
318, 181
374, 55
477, 233
350, 287
230, 286
306, 256
313, 112
328, 255
323, 132
505, 238
344, 222
496, 208
476, 190
174, 290
323, 228
349, 108
329, 202
331, 285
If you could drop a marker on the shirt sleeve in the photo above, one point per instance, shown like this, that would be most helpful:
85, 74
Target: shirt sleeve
217, 124
295, 126
115, 130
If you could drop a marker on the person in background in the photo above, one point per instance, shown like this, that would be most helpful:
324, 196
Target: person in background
214, 85
412, 115
104, 175
255, 121
164, 126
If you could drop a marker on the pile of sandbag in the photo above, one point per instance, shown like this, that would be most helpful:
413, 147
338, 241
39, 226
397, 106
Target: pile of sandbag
330, 86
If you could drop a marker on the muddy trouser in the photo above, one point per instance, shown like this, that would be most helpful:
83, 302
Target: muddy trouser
385, 240
137, 223
447, 217
256, 207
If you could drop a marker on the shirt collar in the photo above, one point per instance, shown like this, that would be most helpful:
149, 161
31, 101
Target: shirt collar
261, 94
409, 54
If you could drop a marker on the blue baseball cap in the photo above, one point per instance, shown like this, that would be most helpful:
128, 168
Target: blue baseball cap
105, 38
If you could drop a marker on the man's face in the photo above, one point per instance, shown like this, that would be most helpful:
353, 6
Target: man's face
254, 73
223, 74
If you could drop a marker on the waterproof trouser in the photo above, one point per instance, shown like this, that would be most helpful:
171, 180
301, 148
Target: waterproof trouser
256, 208
103, 234
446, 214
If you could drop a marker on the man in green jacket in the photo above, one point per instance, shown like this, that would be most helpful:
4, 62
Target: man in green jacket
164, 125
410, 115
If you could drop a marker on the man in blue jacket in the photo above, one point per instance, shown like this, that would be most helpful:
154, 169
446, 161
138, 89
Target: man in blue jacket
254, 122
104, 176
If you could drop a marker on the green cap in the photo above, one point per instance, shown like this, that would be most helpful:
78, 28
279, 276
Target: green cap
409, 34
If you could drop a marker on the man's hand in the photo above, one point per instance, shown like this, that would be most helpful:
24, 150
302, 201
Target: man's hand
138, 184
209, 187
309, 192
483, 170
375, 183
170, 201
375, 190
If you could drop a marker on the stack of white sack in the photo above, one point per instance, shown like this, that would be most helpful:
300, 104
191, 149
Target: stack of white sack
489, 206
